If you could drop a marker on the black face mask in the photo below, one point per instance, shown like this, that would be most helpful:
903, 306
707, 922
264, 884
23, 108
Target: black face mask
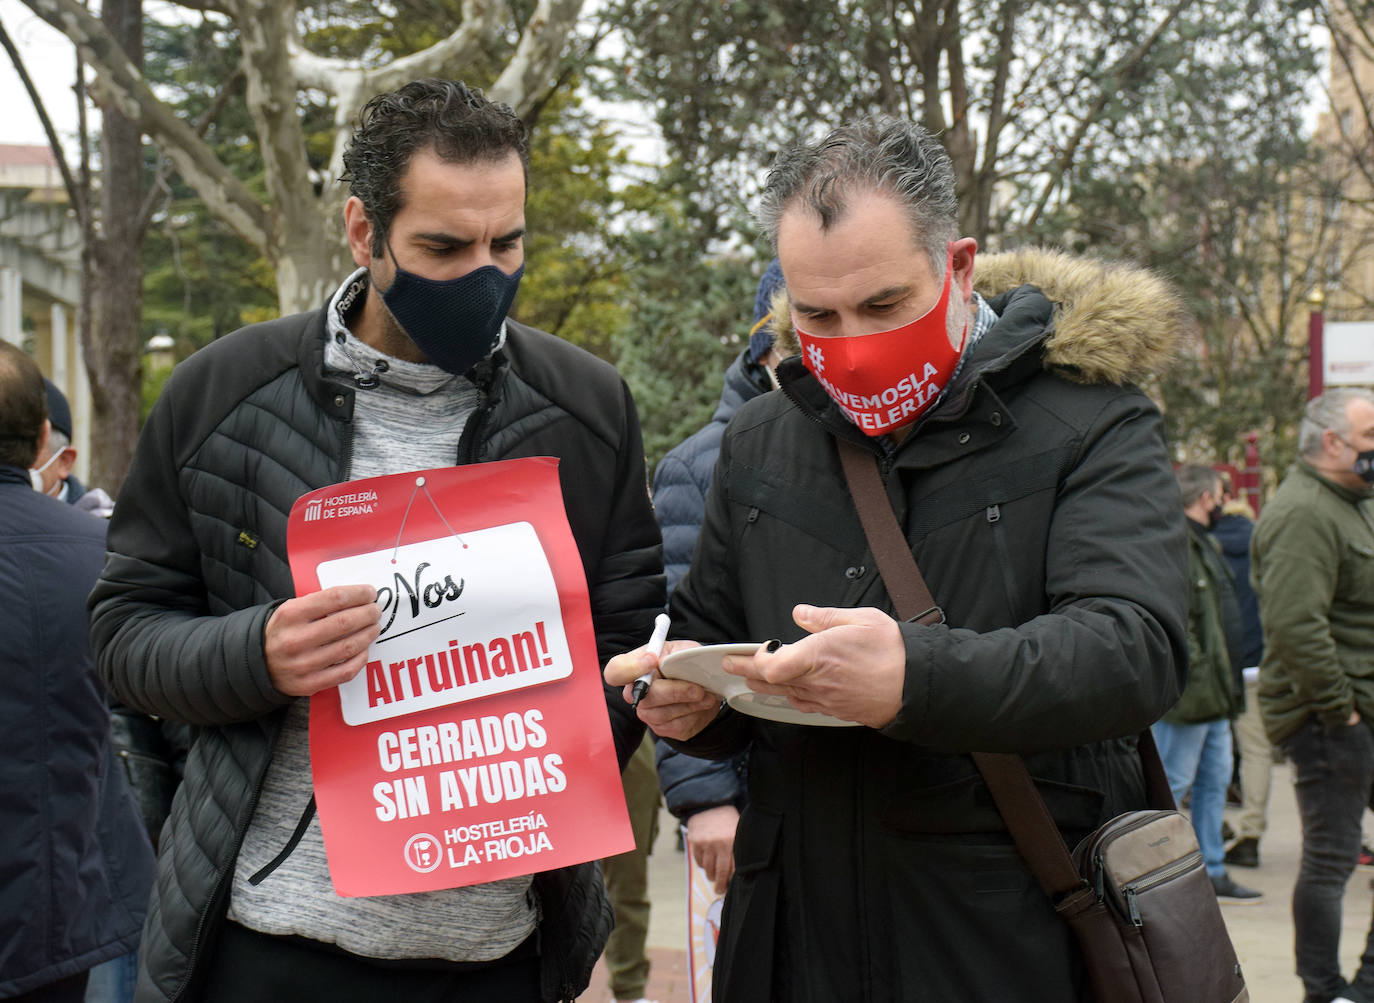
1213, 517
1363, 467
455, 322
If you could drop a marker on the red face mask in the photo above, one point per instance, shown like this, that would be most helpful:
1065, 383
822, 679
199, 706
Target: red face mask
887, 380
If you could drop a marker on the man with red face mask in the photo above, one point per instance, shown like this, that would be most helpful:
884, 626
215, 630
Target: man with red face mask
1030, 478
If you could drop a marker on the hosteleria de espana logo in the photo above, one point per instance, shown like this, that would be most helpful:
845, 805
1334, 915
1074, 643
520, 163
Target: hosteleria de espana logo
342, 506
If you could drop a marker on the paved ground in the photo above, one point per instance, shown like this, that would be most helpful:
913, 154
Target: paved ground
1263, 933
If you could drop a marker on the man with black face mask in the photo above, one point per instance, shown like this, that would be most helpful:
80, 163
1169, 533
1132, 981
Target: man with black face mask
413, 363
1313, 570
1194, 737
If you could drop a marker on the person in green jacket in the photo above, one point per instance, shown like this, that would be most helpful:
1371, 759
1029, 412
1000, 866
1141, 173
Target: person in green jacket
1312, 565
1194, 737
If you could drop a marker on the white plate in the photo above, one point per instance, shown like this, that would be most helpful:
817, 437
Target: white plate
703, 667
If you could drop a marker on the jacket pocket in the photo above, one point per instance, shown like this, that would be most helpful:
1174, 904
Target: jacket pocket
1357, 570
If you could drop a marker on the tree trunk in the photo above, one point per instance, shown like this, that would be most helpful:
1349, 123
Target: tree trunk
114, 362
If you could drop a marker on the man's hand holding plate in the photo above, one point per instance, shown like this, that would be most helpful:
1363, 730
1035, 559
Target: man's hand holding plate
853, 665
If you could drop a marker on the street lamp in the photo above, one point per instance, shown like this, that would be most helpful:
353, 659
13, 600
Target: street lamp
1315, 301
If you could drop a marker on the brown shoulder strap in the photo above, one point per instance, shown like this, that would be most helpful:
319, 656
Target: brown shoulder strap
1032, 828
905, 584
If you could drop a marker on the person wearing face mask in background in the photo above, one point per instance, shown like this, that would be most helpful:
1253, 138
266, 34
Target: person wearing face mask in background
1194, 737
52, 468
1030, 478
1312, 566
413, 363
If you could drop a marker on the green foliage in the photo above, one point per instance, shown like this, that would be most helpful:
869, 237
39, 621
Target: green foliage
1213, 201
574, 283
689, 319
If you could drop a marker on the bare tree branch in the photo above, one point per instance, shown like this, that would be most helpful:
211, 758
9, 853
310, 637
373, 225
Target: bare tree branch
119, 85
1115, 77
77, 203
164, 166
532, 68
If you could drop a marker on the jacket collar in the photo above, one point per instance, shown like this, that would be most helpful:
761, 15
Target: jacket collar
1351, 495
334, 394
14, 475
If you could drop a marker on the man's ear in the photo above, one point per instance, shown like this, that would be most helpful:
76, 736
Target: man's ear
1331, 443
64, 463
962, 253
358, 228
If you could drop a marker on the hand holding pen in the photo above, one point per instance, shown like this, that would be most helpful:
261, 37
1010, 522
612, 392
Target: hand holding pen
655, 648
672, 708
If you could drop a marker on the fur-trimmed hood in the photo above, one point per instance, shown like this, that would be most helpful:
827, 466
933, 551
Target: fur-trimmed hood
1113, 322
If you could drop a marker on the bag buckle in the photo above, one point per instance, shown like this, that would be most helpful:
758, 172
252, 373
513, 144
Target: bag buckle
921, 617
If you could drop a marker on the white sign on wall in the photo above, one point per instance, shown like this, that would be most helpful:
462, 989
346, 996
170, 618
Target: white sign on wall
1348, 354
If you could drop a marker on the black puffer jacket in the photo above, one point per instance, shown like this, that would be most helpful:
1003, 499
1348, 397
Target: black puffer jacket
75, 865
1040, 506
681, 481
198, 562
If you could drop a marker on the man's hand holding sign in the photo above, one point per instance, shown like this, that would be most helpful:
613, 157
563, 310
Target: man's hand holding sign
320, 640
453, 739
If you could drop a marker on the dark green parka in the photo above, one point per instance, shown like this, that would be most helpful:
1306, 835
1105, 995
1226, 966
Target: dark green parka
1312, 565
1215, 689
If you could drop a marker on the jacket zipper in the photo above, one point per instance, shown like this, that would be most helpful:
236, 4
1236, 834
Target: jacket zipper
999, 540
346, 457
470, 442
866, 976
884, 464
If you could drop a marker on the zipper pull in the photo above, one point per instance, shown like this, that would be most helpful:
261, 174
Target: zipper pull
1131, 906
1098, 878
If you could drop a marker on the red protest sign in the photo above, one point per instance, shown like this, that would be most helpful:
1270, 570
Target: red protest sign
474, 745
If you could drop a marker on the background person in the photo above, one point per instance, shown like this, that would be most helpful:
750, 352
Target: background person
77, 866
1194, 737
1234, 530
52, 467
706, 795
1313, 570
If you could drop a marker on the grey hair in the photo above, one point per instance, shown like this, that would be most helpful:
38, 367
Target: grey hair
1194, 480
878, 154
1325, 411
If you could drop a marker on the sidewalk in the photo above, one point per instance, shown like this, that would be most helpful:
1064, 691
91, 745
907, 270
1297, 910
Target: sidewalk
1263, 933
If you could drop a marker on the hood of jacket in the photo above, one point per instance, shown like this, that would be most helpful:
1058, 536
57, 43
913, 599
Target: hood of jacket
1233, 532
744, 380
1113, 322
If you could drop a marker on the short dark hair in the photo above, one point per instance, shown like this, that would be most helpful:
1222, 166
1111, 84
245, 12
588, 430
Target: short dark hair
454, 120
23, 407
878, 154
